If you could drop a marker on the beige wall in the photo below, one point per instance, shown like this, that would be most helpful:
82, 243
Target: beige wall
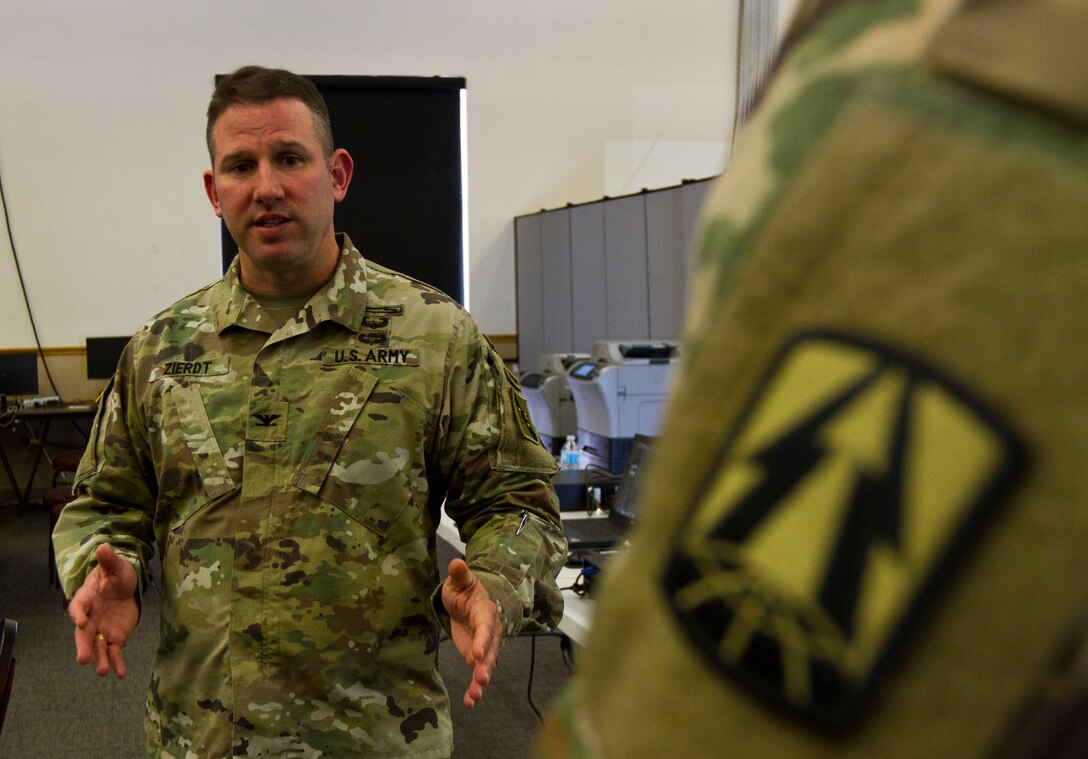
102, 124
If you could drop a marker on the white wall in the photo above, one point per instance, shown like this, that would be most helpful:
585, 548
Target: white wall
102, 121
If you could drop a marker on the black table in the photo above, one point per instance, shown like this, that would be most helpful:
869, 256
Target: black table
39, 423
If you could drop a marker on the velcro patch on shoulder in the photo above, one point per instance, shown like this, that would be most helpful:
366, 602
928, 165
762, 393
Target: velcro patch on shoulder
838, 504
519, 448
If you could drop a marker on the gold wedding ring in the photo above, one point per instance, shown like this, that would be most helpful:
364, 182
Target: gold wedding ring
100, 636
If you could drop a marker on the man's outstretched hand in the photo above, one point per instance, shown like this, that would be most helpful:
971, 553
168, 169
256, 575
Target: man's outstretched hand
105, 612
475, 624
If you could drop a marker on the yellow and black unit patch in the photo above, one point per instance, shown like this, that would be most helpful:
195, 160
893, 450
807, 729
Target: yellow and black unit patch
839, 502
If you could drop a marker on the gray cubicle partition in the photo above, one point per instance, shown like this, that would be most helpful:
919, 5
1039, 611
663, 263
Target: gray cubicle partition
614, 269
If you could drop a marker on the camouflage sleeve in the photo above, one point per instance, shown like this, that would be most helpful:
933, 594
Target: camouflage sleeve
499, 488
114, 502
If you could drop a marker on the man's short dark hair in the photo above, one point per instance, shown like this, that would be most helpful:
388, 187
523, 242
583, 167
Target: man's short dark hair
256, 85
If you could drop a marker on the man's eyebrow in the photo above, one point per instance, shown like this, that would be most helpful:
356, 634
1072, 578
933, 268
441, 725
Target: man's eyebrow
279, 146
228, 158
291, 145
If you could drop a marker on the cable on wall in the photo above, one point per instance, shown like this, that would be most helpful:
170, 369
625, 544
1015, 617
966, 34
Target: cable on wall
22, 285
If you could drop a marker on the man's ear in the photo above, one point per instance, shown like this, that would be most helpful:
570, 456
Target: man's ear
213, 194
342, 168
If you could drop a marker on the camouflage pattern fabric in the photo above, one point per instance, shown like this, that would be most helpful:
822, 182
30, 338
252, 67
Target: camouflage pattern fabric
862, 532
291, 480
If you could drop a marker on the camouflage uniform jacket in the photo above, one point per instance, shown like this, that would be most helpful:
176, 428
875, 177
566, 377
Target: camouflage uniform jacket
292, 483
863, 530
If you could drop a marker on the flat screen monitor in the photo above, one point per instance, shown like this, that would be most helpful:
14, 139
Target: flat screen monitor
103, 353
625, 501
19, 373
583, 370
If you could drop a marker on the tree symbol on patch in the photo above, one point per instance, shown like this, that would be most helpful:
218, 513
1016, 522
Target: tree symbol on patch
837, 504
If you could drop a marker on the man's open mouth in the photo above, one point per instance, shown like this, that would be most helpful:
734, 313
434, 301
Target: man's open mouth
270, 223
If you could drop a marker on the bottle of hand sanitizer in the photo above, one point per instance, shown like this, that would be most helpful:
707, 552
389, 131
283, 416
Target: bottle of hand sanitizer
571, 456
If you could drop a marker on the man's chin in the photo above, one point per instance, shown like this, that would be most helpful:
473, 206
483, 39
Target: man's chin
270, 251
269, 258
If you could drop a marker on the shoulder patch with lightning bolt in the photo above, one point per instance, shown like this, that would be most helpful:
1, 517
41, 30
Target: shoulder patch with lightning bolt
837, 505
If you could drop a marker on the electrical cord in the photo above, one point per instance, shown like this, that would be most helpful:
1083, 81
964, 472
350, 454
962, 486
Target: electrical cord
529, 687
598, 475
582, 583
7, 417
564, 648
22, 285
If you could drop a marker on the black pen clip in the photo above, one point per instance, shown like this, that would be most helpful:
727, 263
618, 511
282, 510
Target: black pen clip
521, 525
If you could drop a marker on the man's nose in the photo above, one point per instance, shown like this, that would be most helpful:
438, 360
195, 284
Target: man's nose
268, 187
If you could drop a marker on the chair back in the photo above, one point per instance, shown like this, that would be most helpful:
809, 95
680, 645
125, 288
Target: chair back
8, 630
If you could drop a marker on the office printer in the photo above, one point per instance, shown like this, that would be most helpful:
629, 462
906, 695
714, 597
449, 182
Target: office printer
548, 395
619, 392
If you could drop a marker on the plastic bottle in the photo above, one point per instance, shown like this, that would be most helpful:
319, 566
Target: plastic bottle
571, 456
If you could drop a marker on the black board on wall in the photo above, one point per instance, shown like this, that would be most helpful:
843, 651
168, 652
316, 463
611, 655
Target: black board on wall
404, 206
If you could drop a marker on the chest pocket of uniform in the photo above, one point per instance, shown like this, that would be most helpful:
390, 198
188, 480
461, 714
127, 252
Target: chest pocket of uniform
365, 456
196, 432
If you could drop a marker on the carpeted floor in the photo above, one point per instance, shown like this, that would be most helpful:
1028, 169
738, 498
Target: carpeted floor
59, 710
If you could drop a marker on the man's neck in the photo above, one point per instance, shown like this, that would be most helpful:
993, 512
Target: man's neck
279, 308
289, 282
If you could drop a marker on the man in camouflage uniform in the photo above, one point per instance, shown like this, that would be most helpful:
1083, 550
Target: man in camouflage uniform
286, 438
863, 534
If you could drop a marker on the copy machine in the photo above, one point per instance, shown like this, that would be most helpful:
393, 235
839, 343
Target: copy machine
548, 395
620, 392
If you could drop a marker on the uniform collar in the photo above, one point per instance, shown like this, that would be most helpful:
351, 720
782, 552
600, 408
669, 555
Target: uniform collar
342, 299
